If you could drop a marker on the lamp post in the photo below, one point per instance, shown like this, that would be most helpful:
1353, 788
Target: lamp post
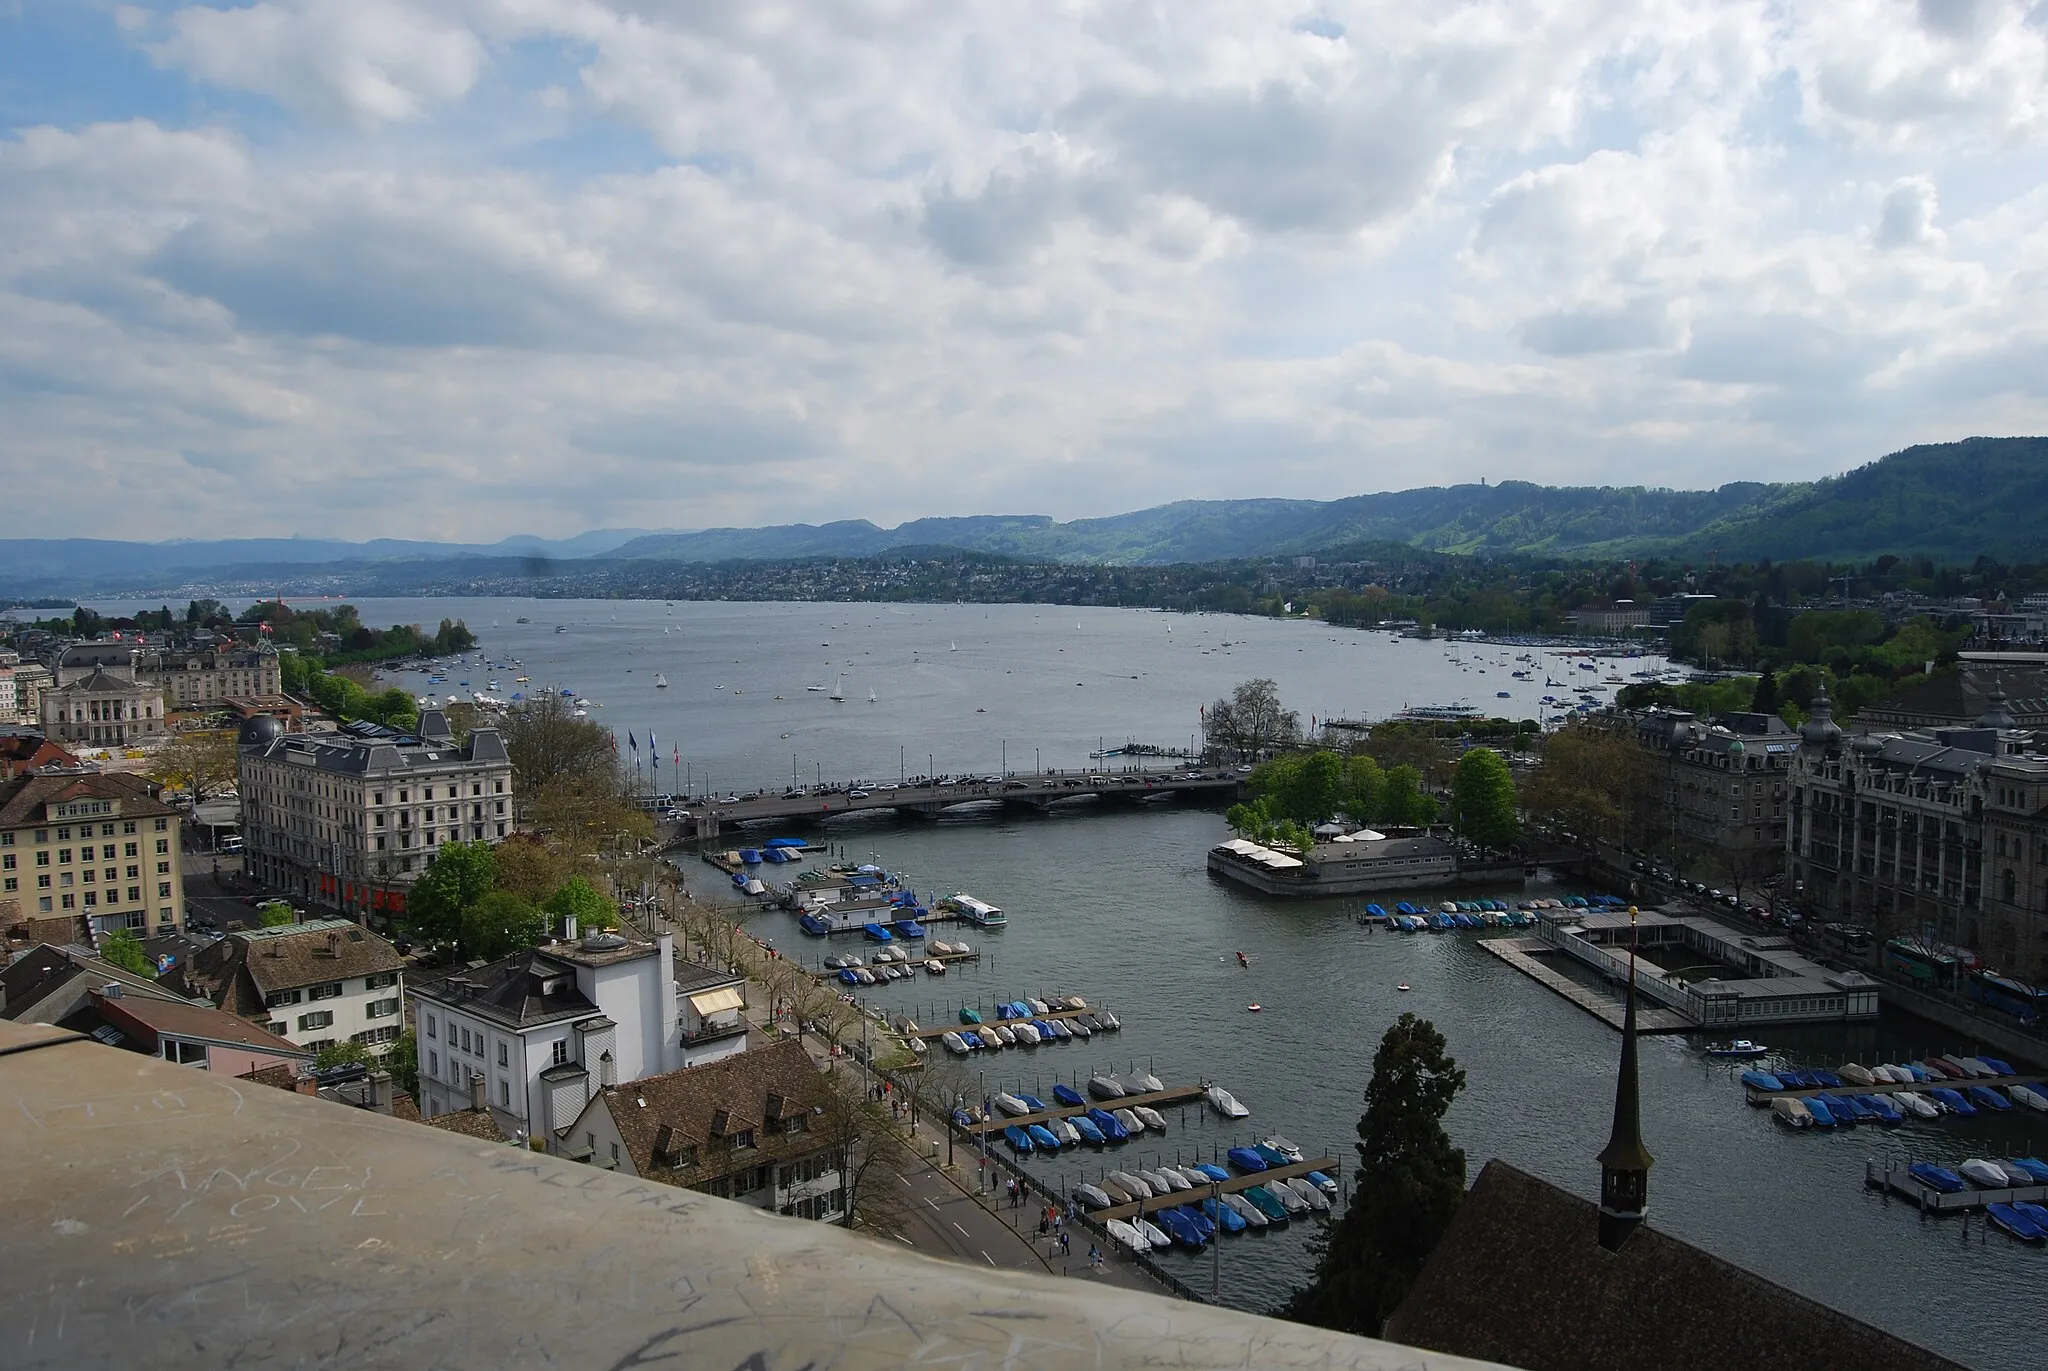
981, 1173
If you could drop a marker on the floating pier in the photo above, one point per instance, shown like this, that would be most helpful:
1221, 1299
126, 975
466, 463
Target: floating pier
1526, 954
1173, 1095
1895, 1178
933, 1034
916, 962
1762, 1098
1235, 1185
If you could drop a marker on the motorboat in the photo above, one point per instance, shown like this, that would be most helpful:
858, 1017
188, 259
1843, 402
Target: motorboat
1140, 1083
1224, 1216
1132, 1185
1077, 1029
1253, 1216
1881, 1075
971, 1038
1268, 1203
1881, 1105
1158, 1181
1916, 1104
1272, 1156
934, 967
1044, 1137
1184, 1232
1129, 1237
1998, 1067
2032, 1096
1018, 1138
1154, 1234
1827, 1079
1109, 1021
1857, 1075
1092, 1196
1025, 1034
1326, 1184
988, 1038
1067, 1095
1283, 1147
2036, 1169
1038, 1006
1085, 1126
1004, 1034
1938, 1178
1794, 1079
1741, 1047
1178, 1179
1226, 1104
1947, 1066
1990, 1097
1059, 1031
1132, 1127
1105, 1088
1116, 1193
1289, 1200
1301, 1186
1010, 1104
2015, 1174
1975, 1066
1953, 1100
1150, 1117
969, 1016
2015, 1222
1210, 1170
1112, 1131
1762, 1080
1246, 1159
1986, 1174
1792, 1112
1818, 1113
954, 1043
1204, 1225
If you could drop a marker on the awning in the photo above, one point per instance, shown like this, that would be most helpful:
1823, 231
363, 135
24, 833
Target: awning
712, 1001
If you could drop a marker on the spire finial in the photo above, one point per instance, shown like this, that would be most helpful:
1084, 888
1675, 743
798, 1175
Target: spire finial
1625, 1162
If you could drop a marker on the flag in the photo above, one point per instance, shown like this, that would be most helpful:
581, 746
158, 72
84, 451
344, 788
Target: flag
653, 748
631, 741
615, 744
677, 759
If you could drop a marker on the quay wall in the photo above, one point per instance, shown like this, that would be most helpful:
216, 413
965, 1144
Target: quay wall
1276, 883
2011, 1043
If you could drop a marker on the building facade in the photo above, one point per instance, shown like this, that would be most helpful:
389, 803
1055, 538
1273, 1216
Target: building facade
204, 677
350, 819
757, 1128
533, 1036
98, 849
1726, 783
2015, 923
103, 708
313, 984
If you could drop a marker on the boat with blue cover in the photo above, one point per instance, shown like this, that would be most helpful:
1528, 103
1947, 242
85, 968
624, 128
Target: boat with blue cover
1953, 1099
1794, 1079
813, 924
909, 928
1373, 911
1827, 1080
1762, 1080
1067, 1095
1018, 1138
1858, 1112
1937, 1178
1211, 1170
1817, 1110
1884, 1109
878, 933
1176, 1223
1042, 1137
1990, 1097
1085, 1126
1032, 1102
1324, 1183
847, 976
2037, 1212
1204, 1225
1272, 1156
1246, 1159
2015, 1221
1106, 1123
1998, 1067
2033, 1166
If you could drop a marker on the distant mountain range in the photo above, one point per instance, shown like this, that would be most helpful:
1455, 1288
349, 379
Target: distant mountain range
1949, 501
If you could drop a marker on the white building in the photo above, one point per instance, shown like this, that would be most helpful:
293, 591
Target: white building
534, 1035
349, 819
314, 984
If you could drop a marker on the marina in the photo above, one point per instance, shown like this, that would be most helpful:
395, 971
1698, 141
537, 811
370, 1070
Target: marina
1898, 1178
1234, 1186
1168, 1098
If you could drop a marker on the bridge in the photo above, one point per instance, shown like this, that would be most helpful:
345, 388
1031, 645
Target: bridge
1035, 792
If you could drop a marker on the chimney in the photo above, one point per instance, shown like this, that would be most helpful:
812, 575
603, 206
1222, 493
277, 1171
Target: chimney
379, 1091
477, 1099
111, 990
333, 948
569, 928
664, 1144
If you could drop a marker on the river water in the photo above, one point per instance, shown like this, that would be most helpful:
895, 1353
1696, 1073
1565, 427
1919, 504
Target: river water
1118, 907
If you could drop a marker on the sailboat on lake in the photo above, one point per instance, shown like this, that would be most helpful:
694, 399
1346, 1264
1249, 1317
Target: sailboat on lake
838, 689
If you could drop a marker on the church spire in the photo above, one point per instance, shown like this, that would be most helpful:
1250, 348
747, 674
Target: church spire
1625, 1162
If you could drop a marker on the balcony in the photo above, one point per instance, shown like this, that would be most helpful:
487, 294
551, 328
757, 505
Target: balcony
548, 1254
711, 1032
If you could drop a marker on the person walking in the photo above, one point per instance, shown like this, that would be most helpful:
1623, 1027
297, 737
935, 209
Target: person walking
1066, 1246
1094, 1257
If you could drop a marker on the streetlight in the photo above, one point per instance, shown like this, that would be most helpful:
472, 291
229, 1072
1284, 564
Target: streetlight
981, 1175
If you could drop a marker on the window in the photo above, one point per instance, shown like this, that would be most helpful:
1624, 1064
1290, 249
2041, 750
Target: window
615, 1154
163, 890
433, 1063
505, 1101
163, 868
504, 1055
7, 862
163, 846
743, 1139
64, 834
433, 1027
128, 849
163, 825
380, 1009
561, 1052
63, 855
319, 1018
42, 859
277, 998
12, 883
43, 904
380, 980
465, 1040
129, 827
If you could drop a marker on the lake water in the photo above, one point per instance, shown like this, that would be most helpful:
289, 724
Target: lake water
1118, 907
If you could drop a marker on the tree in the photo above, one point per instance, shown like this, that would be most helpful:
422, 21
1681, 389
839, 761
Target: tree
1410, 1183
501, 923
578, 899
534, 868
547, 743
124, 949
1306, 789
202, 762
403, 1062
457, 878
1765, 701
1483, 800
346, 1052
1251, 723
1597, 784
1402, 802
276, 914
1364, 790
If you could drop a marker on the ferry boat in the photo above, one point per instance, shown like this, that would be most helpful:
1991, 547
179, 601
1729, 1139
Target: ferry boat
974, 911
1459, 713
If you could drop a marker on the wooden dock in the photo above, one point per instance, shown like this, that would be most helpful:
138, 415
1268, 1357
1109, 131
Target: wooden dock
1762, 1098
1900, 1181
916, 963
1172, 1095
1650, 1018
1236, 1184
933, 1034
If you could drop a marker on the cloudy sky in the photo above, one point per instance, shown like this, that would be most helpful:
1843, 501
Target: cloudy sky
465, 268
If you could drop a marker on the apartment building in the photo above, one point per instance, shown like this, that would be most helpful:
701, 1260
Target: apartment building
1726, 783
313, 984
95, 699
533, 1036
757, 1128
2015, 923
98, 849
203, 676
349, 819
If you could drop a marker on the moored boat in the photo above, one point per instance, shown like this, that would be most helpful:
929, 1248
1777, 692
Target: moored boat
1857, 1075
1092, 1196
1018, 1138
1226, 1104
1127, 1236
1268, 1204
1246, 1159
1044, 1137
1150, 1117
1938, 1178
1792, 1112
1253, 1216
1105, 1088
1066, 1094
1988, 1175
1085, 1126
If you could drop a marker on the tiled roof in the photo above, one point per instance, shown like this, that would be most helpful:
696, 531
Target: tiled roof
702, 1104
239, 971
23, 798
1520, 1278
183, 1019
471, 1123
509, 991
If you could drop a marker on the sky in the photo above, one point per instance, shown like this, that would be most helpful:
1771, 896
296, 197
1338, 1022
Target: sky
460, 269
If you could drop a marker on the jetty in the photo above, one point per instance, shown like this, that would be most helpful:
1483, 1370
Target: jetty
1235, 1185
1762, 1098
1172, 1095
1526, 954
916, 962
933, 1034
1896, 1179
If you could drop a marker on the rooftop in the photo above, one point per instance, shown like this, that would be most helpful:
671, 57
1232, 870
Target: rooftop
379, 751
24, 799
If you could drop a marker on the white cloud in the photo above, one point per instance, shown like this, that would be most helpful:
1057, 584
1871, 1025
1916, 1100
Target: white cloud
603, 260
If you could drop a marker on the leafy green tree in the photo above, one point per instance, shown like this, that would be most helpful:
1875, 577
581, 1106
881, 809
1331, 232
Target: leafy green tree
578, 899
276, 914
1305, 788
1483, 800
455, 881
1364, 789
501, 923
346, 1052
124, 949
1402, 801
403, 1062
1410, 1184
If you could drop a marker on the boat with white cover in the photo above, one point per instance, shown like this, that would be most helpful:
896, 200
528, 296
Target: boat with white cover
1226, 1104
